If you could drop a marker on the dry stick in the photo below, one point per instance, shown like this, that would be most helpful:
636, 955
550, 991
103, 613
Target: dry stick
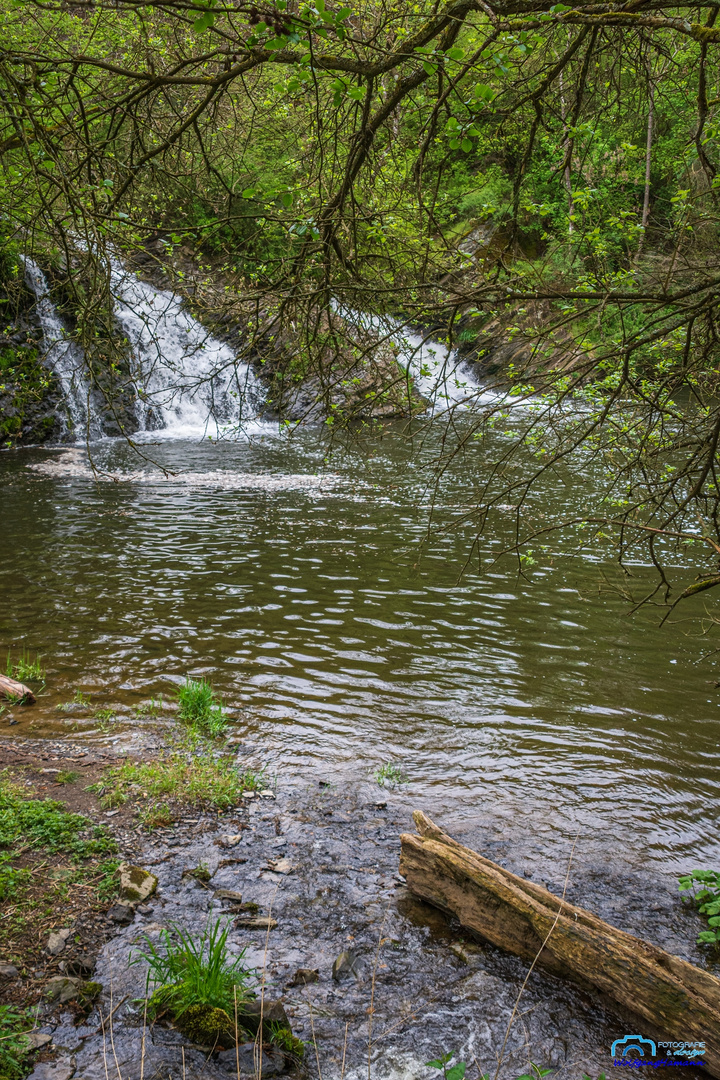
262, 987
537, 957
312, 1029
237, 1034
142, 1043
372, 990
342, 1067
112, 1032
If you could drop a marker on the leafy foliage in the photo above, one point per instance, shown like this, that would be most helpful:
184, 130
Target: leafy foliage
200, 707
705, 886
14, 1045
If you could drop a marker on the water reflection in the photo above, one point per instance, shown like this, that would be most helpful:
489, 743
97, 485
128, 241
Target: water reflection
531, 707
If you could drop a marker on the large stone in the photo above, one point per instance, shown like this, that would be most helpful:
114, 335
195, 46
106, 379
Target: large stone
8, 971
345, 964
273, 1016
136, 884
62, 989
245, 1059
38, 1039
53, 1070
122, 914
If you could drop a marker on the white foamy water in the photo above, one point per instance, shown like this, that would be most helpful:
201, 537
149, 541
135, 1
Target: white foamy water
190, 385
74, 465
61, 354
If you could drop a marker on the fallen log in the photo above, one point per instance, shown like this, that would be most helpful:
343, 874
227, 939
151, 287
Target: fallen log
677, 999
18, 691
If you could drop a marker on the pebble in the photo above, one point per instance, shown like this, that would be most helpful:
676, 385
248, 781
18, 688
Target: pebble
37, 1039
345, 964
57, 942
283, 866
8, 971
122, 914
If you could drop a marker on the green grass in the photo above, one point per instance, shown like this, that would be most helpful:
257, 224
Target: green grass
187, 971
390, 774
150, 710
200, 708
44, 823
67, 776
14, 1045
193, 773
25, 669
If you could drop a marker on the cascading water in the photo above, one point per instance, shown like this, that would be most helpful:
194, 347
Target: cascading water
440, 376
61, 354
189, 384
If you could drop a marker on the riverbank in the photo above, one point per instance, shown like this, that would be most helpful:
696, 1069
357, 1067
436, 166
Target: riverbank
397, 983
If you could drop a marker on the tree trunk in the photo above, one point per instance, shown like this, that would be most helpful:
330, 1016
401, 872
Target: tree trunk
676, 999
648, 163
9, 688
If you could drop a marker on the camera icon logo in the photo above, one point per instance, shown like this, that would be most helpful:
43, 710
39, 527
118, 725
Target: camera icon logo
623, 1047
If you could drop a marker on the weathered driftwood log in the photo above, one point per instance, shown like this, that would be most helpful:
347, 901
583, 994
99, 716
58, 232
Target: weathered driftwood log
672, 996
9, 688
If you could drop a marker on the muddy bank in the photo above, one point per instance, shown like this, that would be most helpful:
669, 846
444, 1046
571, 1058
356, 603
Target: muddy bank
337, 889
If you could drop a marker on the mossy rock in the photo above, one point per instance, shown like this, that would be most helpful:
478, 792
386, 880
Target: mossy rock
208, 1026
88, 993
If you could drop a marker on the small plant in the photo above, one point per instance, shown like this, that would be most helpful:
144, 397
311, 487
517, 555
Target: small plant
188, 972
14, 1044
149, 711
67, 776
79, 700
25, 669
390, 774
156, 817
283, 1037
200, 709
113, 799
45, 823
457, 1071
706, 899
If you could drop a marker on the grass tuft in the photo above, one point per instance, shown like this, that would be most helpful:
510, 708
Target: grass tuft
25, 669
200, 708
390, 774
67, 776
187, 971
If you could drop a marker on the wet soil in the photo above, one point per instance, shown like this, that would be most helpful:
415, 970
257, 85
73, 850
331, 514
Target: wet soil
418, 985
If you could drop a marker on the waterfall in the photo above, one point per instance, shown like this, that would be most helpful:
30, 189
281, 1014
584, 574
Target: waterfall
61, 354
190, 385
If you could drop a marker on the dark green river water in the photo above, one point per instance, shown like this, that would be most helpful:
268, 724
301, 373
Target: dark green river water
298, 588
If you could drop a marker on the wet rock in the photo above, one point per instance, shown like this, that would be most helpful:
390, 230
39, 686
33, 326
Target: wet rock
228, 840
345, 964
303, 976
38, 1039
201, 874
82, 965
53, 1070
57, 942
62, 989
8, 971
255, 922
272, 1012
136, 884
228, 894
245, 1059
282, 866
122, 914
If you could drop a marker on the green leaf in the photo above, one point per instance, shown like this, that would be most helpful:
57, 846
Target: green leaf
357, 93
276, 43
430, 69
107, 183
455, 53
467, 145
454, 144
249, 193
343, 14
707, 937
286, 199
456, 1072
485, 93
